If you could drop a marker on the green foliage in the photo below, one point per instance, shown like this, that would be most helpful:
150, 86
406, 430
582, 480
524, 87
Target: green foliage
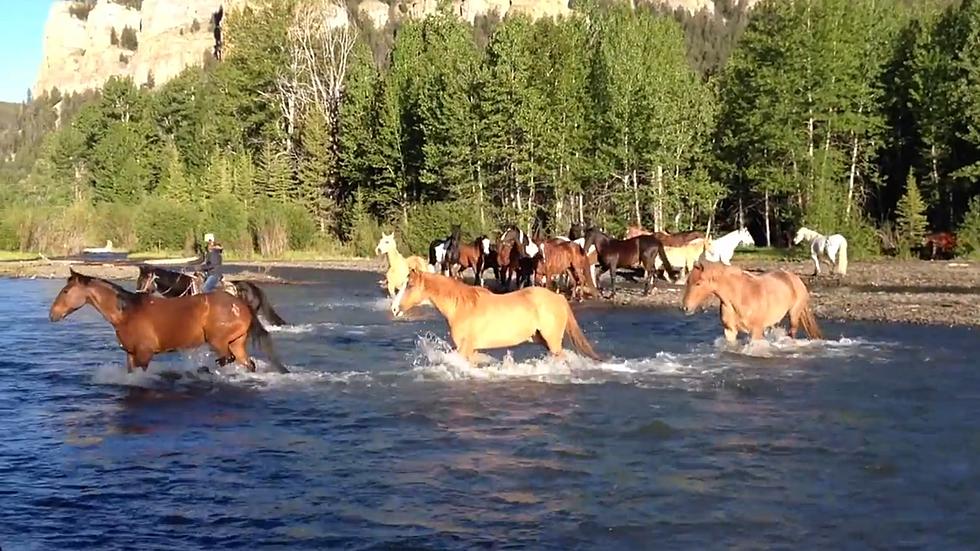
117, 222
166, 225
277, 227
431, 220
128, 40
968, 235
910, 218
227, 218
273, 179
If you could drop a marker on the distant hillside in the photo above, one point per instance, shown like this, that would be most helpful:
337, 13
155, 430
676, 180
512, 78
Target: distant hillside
88, 41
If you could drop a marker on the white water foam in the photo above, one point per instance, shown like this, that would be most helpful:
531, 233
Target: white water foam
777, 343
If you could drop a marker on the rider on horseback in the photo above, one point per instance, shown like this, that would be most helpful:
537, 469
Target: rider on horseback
212, 264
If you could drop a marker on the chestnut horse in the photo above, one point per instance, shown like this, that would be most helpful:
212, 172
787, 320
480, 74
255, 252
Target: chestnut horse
147, 325
558, 256
751, 303
480, 320
636, 252
472, 255
940, 243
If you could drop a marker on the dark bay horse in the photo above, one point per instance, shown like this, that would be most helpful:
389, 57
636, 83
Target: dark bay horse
147, 325
941, 244
644, 251
175, 284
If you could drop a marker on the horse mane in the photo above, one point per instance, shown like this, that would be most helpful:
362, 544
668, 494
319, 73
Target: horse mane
126, 298
463, 295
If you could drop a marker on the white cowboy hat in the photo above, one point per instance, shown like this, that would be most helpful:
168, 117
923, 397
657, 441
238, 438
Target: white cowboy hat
208, 237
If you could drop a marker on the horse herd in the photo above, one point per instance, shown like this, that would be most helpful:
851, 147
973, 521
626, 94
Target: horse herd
169, 312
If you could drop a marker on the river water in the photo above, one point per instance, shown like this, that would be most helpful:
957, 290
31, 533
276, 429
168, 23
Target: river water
382, 438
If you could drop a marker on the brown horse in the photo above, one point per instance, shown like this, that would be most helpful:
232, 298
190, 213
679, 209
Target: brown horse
514, 254
479, 319
636, 231
559, 256
940, 243
147, 325
750, 303
472, 255
679, 239
644, 252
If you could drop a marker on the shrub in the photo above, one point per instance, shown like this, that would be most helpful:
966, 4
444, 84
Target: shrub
117, 222
278, 227
195, 26
128, 39
968, 235
113, 37
166, 225
300, 225
227, 219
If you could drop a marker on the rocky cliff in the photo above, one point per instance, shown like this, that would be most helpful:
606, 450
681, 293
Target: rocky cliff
88, 41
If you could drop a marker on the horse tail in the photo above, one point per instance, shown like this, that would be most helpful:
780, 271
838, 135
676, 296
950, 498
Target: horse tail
259, 334
577, 337
264, 307
842, 258
809, 323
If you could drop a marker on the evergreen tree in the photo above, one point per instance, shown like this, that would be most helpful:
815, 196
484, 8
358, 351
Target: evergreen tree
174, 183
274, 179
910, 218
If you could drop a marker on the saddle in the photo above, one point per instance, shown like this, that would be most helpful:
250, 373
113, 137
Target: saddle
197, 284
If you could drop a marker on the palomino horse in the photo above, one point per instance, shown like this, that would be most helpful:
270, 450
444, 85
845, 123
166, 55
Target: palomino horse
723, 249
832, 248
175, 284
472, 255
636, 252
479, 319
558, 256
751, 303
147, 325
681, 256
398, 266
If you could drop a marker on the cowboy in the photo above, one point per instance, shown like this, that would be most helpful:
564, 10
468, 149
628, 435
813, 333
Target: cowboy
212, 264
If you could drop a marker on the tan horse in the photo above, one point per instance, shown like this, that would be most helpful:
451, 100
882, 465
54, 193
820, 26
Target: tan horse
398, 266
683, 257
479, 319
750, 303
147, 325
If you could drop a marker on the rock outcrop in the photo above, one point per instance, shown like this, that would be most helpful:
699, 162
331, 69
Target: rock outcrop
82, 49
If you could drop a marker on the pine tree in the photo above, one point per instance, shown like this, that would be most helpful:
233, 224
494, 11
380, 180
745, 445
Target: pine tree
174, 183
968, 234
274, 178
910, 218
314, 169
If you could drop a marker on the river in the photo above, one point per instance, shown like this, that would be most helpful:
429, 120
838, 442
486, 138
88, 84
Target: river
382, 438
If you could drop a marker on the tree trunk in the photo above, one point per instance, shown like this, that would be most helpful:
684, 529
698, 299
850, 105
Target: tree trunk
768, 236
581, 210
636, 200
658, 211
850, 183
741, 216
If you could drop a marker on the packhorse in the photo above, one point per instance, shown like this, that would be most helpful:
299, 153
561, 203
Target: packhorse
147, 325
175, 284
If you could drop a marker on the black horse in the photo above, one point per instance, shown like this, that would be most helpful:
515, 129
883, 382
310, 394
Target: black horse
637, 252
439, 251
175, 284
575, 232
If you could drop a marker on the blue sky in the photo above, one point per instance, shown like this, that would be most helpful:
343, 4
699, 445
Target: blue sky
21, 34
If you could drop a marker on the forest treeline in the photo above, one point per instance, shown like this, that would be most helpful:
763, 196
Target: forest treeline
819, 112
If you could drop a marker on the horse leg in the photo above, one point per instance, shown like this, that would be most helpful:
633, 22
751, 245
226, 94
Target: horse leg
729, 321
139, 358
240, 353
613, 265
816, 264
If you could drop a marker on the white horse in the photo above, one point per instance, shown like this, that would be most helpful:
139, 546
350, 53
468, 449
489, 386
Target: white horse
832, 248
723, 248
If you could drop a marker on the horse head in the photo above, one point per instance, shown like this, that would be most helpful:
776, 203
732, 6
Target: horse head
699, 285
745, 238
575, 231
411, 295
72, 296
804, 234
386, 243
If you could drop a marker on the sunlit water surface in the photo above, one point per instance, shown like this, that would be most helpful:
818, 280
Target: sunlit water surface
382, 438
